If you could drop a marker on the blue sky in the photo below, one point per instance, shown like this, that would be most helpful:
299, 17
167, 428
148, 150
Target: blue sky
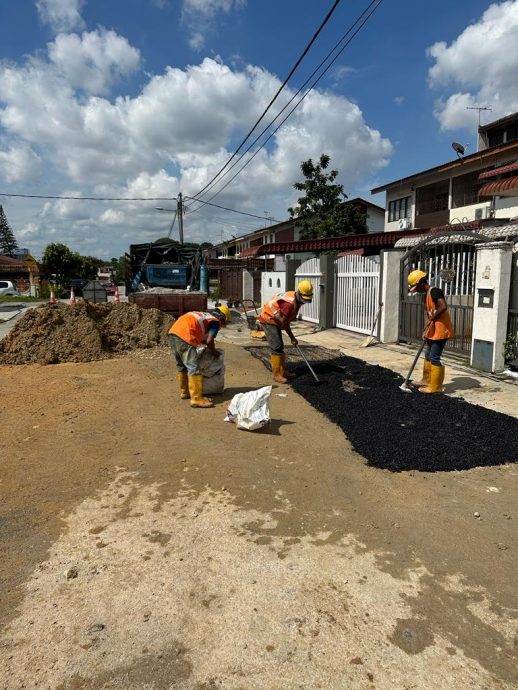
146, 98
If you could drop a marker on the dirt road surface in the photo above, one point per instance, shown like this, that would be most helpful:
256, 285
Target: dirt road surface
147, 545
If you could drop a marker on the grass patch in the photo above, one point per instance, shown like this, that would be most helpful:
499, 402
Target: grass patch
10, 298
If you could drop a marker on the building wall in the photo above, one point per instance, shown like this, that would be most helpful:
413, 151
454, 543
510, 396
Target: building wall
505, 207
375, 220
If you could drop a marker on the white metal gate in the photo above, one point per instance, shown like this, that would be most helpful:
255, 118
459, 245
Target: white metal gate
356, 292
310, 270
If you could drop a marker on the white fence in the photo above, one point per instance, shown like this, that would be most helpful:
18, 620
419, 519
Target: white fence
310, 270
272, 283
356, 294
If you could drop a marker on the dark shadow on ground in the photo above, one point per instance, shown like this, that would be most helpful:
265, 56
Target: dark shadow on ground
401, 431
461, 383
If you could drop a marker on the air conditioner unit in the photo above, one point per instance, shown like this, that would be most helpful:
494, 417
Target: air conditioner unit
405, 224
485, 212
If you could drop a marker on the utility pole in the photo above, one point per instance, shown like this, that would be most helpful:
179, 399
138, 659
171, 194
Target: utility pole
479, 108
179, 207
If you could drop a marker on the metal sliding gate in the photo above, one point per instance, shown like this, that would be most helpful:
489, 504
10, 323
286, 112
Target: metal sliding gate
310, 270
511, 343
356, 295
450, 263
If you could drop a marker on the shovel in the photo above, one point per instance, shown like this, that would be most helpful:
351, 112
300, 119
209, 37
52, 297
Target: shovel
371, 339
404, 386
308, 365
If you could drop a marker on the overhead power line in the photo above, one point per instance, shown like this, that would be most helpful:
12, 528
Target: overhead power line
292, 71
225, 208
90, 198
360, 21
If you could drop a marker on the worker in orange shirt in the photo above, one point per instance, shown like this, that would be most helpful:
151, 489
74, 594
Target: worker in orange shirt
438, 328
276, 316
186, 334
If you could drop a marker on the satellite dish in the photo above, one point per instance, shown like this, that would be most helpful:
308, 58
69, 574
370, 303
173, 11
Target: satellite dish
458, 148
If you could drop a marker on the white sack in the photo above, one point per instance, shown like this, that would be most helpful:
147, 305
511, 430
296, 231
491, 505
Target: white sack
251, 410
209, 365
213, 371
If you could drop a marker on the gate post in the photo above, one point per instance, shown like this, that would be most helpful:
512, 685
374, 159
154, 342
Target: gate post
327, 290
248, 284
492, 286
390, 294
291, 267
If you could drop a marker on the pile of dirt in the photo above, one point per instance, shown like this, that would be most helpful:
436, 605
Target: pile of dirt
83, 332
400, 431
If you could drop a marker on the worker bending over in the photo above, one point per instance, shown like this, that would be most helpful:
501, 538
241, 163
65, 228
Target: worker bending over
437, 330
186, 334
276, 316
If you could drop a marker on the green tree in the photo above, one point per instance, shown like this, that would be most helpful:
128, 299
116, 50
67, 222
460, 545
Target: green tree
322, 210
87, 266
61, 261
8, 242
120, 269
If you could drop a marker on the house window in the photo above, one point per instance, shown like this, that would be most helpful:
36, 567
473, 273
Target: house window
512, 134
399, 208
496, 138
432, 198
464, 189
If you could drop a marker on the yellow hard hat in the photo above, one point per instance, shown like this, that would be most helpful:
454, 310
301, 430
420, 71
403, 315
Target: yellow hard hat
305, 290
225, 311
415, 277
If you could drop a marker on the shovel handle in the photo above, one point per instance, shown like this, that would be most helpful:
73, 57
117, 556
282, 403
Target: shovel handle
308, 364
418, 354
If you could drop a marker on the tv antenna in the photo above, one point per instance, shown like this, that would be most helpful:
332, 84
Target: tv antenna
480, 108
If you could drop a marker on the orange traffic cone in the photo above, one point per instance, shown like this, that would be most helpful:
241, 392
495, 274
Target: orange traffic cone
52, 298
72, 296
116, 297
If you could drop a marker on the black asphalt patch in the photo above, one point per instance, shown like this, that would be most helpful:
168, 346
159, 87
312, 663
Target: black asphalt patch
400, 431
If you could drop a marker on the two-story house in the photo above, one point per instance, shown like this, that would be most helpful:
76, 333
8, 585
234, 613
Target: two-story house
287, 231
470, 187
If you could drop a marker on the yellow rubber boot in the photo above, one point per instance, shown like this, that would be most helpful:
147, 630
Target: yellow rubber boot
436, 380
427, 370
184, 384
196, 391
287, 374
276, 361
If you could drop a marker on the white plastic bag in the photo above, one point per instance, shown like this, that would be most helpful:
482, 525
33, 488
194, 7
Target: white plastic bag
250, 410
213, 371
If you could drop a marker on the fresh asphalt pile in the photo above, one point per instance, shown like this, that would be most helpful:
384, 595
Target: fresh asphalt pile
400, 431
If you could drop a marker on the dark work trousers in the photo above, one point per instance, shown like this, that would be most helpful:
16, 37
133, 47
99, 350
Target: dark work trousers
274, 338
433, 351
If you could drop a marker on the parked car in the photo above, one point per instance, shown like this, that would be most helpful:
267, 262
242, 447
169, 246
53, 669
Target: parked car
110, 288
78, 285
7, 288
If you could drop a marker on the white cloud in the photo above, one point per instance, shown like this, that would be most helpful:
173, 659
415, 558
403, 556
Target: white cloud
19, 164
111, 217
174, 135
93, 61
197, 40
61, 15
211, 7
200, 15
481, 64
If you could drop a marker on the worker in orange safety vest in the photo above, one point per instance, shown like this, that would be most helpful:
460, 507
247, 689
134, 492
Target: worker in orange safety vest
438, 328
186, 334
276, 316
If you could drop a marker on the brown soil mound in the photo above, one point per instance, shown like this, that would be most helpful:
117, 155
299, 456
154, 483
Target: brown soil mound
82, 332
